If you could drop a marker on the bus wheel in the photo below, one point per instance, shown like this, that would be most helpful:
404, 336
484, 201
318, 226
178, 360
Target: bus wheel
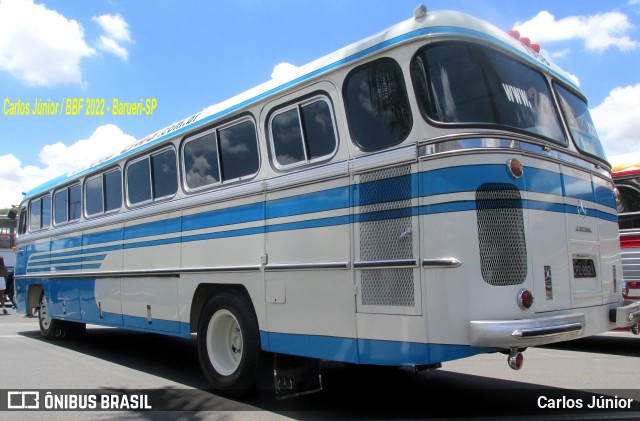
229, 344
50, 328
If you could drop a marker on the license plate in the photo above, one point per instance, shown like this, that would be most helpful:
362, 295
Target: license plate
584, 268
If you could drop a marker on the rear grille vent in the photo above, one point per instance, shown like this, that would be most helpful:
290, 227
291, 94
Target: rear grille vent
503, 252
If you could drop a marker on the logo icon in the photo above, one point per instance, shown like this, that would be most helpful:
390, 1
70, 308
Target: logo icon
582, 211
23, 400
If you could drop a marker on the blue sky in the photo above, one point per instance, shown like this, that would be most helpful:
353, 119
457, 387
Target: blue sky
188, 55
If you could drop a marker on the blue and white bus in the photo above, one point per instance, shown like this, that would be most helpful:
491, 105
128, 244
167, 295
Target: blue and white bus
433, 192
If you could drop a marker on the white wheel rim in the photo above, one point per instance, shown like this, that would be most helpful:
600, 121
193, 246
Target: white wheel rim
45, 320
224, 342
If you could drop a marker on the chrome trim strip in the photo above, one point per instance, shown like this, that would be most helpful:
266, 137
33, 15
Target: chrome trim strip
544, 332
386, 264
142, 273
306, 266
450, 262
380, 159
492, 142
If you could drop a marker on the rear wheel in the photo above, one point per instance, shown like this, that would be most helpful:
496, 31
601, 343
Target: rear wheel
229, 344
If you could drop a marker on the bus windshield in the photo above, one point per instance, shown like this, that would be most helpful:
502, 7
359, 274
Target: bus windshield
583, 131
464, 83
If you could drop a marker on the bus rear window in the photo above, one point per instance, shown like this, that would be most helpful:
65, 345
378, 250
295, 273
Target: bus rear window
583, 131
461, 83
377, 105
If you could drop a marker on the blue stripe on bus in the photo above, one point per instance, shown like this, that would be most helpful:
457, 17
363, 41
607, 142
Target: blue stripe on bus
578, 188
101, 237
365, 351
95, 258
222, 217
440, 181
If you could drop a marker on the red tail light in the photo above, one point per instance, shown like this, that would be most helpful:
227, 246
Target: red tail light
525, 299
630, 241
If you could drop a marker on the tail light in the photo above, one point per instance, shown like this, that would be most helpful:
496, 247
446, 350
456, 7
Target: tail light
630, 241
525, 299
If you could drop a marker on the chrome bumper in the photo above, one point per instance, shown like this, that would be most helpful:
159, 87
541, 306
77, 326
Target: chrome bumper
627, 315
526, 332
544, 330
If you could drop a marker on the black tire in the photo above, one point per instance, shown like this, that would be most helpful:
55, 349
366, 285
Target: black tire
57, 329
229, 344
50, 328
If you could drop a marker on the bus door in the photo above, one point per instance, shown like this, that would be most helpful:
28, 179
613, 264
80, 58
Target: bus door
386, 256
586, 269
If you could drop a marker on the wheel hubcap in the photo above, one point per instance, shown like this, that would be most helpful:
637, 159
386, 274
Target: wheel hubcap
224, 342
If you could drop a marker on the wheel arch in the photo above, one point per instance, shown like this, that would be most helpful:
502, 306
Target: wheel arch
203, 294
33, 297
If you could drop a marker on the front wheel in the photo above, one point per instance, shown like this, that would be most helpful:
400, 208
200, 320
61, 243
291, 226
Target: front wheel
56, 329
229, 344
50, 328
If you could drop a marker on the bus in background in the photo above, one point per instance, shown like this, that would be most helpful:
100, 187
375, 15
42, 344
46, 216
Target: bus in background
430, 193
7, 250
627, 180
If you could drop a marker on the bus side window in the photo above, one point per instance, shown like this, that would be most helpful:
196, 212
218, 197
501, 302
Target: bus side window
303, 133
67, 205
22, 222
103, 193
40, 213
377, 105
153, 177
224, 154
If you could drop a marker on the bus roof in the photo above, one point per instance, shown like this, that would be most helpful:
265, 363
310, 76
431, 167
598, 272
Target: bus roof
626, 168
431, 24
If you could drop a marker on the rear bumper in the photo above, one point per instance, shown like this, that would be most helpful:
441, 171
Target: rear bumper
545, 330
627, 315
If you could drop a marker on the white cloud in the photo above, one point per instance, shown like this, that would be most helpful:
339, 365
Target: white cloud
110, 45
39, 46
598, 32
115, 26
283, 71
617, 122
116, 32
58, 159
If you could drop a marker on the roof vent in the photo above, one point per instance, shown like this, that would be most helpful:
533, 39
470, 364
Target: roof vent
420, 12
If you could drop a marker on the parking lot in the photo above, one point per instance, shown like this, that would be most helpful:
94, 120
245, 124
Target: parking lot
601, 369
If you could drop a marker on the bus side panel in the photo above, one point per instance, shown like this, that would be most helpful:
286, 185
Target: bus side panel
64, 298
151, 303
309, 289
220, 239
102, 250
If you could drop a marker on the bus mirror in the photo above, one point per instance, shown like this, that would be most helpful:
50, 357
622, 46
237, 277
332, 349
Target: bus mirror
12, 214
